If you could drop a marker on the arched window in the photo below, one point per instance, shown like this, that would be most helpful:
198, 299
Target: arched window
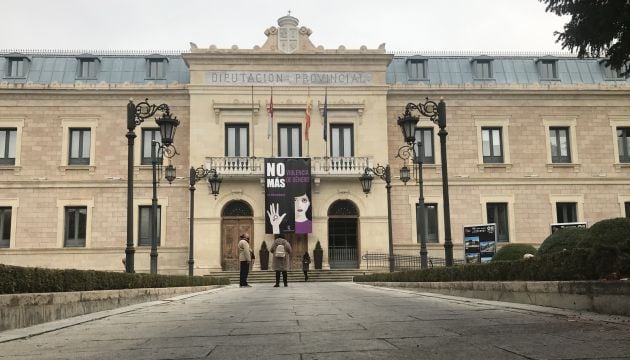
343, 208
237, 208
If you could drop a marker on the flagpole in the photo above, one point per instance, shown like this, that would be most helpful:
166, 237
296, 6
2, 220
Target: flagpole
253, 137
326, 124
308, 141
271, 120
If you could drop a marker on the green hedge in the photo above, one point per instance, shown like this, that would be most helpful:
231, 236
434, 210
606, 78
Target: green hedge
563, 239
511, 252
565, 266
609, 244
15, 280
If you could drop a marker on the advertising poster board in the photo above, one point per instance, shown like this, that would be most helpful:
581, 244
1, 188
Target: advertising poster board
572, 225
288, 196
480, 242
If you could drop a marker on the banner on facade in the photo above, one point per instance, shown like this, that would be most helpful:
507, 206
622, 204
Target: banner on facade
480, 242
571, 225
288, 196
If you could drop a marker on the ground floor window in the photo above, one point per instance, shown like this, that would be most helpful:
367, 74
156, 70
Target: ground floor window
5, 227
498, 213
75, 226
566, 212
144, 227
431, 222
627, 204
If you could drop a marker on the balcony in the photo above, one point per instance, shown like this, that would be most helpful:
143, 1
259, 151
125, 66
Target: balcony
341, 167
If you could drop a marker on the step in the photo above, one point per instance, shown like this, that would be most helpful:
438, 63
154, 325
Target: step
294, 276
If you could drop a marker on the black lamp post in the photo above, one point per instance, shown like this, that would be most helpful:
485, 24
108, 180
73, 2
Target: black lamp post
215, 183
436, 112
135, 116
366, 183
167, 125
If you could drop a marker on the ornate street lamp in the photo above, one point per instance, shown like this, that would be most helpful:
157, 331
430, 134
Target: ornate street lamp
436, 112
135, 116
166, 149
215, 183
366, 183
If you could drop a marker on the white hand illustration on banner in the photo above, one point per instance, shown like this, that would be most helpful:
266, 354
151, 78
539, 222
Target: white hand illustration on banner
274, 217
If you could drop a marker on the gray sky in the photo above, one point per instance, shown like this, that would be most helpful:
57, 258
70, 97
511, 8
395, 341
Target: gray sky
404, 25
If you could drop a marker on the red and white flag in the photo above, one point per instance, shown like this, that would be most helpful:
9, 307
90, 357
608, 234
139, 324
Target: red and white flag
307, 124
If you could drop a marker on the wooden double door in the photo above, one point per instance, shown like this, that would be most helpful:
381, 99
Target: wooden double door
232, 228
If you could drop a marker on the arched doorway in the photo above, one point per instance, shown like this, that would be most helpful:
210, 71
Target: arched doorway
343, 238
237, 217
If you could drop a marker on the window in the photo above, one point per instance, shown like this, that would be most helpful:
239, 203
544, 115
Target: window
5, 227
498, 213
560, 146
613, 74
17, 67
431, 221
87, 68
623, 143
627, 207
236, 140
417, 69
144, 227
548, 69
75, 225
425, 136
289, 140
79, 147
149, 135
156, 68
566, 212
341, 141
491, 146
8, 138
482, 69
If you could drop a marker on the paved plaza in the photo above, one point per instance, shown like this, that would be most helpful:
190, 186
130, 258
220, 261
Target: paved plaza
323, 321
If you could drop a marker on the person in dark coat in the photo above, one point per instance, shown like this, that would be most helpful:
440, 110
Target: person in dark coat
306, 261
281, 264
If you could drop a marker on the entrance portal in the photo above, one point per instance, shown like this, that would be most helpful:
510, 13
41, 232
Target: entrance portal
236, 219
343, 239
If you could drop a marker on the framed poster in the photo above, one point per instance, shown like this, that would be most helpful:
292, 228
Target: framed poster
288, 196
571, 225
480, 242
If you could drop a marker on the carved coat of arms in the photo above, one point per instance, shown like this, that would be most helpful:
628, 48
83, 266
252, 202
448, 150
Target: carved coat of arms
287, 39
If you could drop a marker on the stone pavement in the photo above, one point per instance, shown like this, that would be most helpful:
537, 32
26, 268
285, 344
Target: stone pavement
323, 321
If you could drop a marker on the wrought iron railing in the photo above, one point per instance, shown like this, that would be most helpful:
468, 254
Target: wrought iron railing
320, 166
380, 261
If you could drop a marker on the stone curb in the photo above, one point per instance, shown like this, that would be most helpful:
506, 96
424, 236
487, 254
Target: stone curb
609, 297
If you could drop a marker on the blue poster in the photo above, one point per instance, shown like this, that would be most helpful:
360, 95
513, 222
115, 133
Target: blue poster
288, 207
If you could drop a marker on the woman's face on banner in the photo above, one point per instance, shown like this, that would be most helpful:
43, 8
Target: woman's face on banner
302, 204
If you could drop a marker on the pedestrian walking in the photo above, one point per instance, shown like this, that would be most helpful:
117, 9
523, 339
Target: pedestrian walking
306, 261
281, 262
244, 257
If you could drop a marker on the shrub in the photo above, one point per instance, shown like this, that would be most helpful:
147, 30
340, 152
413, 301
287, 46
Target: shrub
609, 244
511, 252
15, 280
318, 246
563, 240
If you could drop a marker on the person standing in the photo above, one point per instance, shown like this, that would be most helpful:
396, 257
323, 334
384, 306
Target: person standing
244, 257
281, 262
306, 261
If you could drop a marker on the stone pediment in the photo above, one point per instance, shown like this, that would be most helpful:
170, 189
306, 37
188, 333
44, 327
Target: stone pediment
288, 38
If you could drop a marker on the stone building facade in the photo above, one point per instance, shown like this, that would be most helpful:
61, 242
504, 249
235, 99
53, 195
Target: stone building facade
532, 141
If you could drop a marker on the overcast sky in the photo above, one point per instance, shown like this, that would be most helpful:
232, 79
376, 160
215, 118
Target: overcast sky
404, 25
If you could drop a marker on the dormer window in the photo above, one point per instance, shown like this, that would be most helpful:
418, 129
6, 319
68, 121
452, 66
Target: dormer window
87, 67
612, 74
17, 66
548, 68
482, 68
156, 67
417, 68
